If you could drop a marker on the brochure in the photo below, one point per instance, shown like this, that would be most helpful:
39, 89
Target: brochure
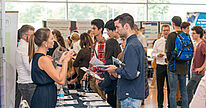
91, 73
117, 61
102, 66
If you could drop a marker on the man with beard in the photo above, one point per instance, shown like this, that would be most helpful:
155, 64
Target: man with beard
131, 84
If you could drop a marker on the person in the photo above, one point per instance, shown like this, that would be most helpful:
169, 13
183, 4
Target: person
69, 42
199, 61
180, 70
91, 35
198, 100
60, 49
43, 72
84, 55
98, 49
185, 28
154, 64
140, 36
25, 83
75, 42
51, 50
111, 30
110, 83
131, 82
158, 53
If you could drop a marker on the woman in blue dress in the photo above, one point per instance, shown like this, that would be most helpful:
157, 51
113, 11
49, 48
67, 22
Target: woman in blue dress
43, 72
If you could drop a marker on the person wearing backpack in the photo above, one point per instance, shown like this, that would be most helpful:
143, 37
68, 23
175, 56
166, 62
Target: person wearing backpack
178, 58
199, 61
158, 53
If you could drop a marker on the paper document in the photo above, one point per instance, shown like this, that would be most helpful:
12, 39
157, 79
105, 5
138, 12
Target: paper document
91, 73
102, 66
117, 61
96, 61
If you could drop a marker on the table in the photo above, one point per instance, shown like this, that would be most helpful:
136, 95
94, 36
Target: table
82, 99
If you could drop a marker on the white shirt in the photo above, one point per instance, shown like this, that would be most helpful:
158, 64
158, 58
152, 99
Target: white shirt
22, 63
159, 47
142, 39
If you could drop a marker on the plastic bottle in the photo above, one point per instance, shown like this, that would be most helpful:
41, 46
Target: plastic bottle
61, 96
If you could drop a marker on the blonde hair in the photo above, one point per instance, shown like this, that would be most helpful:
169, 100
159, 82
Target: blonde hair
75, 36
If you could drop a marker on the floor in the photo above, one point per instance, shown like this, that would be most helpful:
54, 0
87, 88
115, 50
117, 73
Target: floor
151, 101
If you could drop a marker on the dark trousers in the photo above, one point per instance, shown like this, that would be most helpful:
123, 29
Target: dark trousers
112, 98
27, 91
161, 75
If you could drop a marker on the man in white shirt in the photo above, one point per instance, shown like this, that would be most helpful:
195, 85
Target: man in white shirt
141, 37
160, 55
25, 83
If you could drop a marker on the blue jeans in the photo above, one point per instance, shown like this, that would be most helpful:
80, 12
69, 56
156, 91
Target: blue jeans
193, 83
130, 103
172, 77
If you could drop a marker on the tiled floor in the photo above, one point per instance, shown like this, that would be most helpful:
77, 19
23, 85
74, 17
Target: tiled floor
151, 101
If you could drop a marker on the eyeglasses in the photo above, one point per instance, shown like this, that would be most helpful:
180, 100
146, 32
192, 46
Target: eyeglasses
165, 30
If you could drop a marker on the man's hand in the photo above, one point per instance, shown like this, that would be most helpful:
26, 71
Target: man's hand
198, 70
111, 69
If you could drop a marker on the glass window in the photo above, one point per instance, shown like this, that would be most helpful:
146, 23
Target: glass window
166, 12
178, 1
105, 11
130, 1
35, 13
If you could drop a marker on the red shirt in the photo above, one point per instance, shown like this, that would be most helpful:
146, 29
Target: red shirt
100, 55
199, 56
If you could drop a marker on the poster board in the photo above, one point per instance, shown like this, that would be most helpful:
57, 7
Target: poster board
83, 26
11, 23
63, 26
151, 31
197, 19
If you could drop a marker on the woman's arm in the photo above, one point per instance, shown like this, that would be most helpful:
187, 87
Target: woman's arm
46, 65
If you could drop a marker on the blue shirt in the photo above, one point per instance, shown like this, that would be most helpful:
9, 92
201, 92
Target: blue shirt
129, 85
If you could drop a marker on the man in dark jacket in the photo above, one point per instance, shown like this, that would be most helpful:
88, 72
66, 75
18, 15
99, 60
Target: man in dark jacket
131, 81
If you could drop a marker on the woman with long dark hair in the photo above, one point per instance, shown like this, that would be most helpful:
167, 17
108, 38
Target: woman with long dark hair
110, 83
43, 72
84, 55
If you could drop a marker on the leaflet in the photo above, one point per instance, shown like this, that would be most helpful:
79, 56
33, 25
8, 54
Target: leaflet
91, 73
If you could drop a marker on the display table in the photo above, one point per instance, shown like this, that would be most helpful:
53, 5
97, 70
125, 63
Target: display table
81, 99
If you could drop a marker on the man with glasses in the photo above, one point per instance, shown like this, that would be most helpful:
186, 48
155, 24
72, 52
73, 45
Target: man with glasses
199, 61
25, 83
161, 71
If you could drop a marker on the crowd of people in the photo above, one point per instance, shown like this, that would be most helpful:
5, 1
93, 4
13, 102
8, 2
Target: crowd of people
43, 60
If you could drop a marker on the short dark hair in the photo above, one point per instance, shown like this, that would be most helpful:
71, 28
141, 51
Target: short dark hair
198, 30
184, 25
125, 18
177, 20
110, 25
41, 35
99, 23
142, 28
24, 29
165, 25
112, 49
